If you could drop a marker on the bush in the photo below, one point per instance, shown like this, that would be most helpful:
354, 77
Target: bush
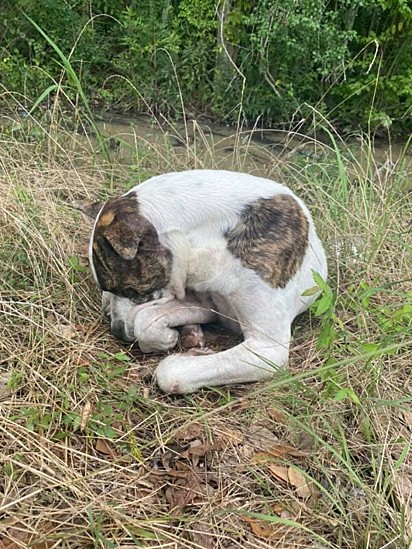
249, 58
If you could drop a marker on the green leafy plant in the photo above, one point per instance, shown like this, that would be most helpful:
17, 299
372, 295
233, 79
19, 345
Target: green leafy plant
271, 61
324, 309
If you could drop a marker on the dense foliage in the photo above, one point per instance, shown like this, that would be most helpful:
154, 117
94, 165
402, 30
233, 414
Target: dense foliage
270, 60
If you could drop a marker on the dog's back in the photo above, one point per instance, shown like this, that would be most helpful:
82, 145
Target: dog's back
201, 197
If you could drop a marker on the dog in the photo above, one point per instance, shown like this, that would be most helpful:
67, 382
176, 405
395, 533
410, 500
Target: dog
188, 248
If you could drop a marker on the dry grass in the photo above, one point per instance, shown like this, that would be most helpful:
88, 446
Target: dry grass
93, 455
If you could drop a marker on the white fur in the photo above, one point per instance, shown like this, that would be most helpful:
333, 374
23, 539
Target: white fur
191, 212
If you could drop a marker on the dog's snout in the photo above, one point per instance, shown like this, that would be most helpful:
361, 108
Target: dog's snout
118, 330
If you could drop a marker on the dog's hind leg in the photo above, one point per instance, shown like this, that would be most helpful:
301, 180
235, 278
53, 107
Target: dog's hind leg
252, 360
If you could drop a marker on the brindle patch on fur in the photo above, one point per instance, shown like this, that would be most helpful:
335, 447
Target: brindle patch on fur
106, 218
128, 258
271, 238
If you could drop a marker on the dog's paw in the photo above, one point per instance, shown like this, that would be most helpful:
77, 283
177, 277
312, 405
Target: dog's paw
163, 341
174, 373
191, 336
151, 330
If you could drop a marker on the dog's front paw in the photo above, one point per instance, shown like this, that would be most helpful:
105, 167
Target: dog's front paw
151, 330
158, 342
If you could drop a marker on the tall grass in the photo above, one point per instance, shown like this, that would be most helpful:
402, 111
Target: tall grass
75, 83
92, 455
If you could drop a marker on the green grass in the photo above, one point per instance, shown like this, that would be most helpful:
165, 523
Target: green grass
93, 455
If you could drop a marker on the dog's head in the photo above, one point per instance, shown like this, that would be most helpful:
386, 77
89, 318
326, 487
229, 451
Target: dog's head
126, 257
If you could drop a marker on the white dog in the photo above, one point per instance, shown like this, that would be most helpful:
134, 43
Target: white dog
201, 246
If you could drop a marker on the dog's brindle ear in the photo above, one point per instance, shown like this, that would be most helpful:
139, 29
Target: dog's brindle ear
123, 239
90, 209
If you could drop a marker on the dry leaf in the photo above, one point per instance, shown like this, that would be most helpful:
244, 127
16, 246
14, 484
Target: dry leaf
261, 457
87, 410
203, 535
190, 432
104, 448
260, 528
187, 490
276, 414
403, 490
278, 471
8, 541
14, 538
5, 390
304, 488
197, 449
261, 438
281, 451
277, 508
68, 331
230, 436
286, 514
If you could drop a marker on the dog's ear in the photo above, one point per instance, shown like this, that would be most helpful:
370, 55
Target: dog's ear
123, 239
90, 209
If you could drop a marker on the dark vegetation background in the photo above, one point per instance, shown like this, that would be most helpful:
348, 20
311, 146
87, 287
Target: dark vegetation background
266, 60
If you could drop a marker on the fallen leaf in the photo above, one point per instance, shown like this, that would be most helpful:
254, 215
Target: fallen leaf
104, 448
14, 538
87, 410
278, 471
283, 450
260, 528
304, 487
305, 441
286, 514
261, 438
187, 490
5, 390
68, 331
276, 414
229, 436
198, 449
190, 432
203, 535
277, 508
403, 491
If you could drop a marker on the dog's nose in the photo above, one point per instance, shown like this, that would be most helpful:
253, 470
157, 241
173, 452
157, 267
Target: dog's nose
118, 330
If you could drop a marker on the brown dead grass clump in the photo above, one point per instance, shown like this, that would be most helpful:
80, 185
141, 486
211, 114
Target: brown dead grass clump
93, 455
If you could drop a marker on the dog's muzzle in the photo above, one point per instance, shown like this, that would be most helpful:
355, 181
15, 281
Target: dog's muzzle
118, 329
122, 313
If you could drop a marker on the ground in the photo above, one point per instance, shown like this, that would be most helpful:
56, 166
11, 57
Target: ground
92, 454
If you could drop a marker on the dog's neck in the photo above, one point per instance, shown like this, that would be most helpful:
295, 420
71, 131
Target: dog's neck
178, 244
